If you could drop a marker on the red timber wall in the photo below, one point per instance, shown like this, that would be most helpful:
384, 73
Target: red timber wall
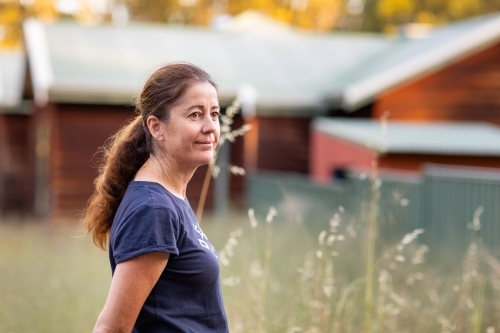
76, 133
68, 138
414, 162
465, 91
329, 153
16, 164
282, 144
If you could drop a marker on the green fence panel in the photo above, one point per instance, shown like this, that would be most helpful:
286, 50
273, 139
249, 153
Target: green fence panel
398, 201
294, 196
451, 199
442, 202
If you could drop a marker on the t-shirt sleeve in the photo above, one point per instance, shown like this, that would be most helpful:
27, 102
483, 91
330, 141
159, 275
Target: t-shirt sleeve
148, 229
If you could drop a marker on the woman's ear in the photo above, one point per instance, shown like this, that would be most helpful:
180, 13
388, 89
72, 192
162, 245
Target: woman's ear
154, 127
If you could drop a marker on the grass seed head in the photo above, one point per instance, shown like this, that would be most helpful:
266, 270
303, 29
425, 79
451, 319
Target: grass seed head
251, 216
271, 214
321, 237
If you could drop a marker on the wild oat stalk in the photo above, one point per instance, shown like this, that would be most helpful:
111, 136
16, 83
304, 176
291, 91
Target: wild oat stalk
383, 289
479, 287
478, 308
341, 303
261, 319
472, 284
372, 230
318, 277
370, 248
227, 134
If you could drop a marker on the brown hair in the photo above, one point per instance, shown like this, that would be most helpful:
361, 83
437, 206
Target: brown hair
126, 151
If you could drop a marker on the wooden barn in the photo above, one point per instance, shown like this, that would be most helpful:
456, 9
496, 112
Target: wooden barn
438, 93
452, 75
399, 146
85, 79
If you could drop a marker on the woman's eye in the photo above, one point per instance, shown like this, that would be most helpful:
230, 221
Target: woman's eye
215, 115
195, 115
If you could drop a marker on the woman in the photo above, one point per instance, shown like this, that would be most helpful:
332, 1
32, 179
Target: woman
165, 271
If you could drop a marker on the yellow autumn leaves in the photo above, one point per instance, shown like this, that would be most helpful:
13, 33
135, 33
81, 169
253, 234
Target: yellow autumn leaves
310, 15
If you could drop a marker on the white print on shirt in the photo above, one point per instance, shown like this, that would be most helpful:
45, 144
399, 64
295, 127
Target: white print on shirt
202, 241
199, 231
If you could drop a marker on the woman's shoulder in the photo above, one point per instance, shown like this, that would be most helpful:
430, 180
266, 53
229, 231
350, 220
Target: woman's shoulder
145, 200
149, 194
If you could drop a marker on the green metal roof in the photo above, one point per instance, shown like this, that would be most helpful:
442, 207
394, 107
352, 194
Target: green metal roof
289, 70
293, 73
12, 69
450, 138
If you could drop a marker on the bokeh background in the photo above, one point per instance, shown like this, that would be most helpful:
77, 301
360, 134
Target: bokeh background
357, 188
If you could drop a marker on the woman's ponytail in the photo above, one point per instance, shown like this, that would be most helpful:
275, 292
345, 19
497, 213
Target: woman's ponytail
124, 154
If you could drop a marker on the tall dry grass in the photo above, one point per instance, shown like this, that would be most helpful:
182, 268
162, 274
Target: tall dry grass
281, 275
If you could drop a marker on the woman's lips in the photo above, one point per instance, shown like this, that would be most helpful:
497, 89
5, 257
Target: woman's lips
205, 143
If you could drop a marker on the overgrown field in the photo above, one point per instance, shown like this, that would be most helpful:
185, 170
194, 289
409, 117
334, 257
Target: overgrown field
280, 274
287, 276
51, 280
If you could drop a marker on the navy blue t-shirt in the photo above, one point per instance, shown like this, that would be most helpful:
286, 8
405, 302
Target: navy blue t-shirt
187, 296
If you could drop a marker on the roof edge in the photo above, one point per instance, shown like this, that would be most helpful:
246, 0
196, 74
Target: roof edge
362, 93
38, 56
380, 146
272, 107
377, 146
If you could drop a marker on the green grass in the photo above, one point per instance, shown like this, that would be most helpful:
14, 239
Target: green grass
279, 277
51, 280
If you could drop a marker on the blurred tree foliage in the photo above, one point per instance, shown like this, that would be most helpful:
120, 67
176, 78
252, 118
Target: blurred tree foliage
10, 20
317, 15
12, 14
311, 15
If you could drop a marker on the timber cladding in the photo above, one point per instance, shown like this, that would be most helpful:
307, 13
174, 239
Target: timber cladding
77, 132
283, 144
465, 91
414, 162
59, 164
16, 164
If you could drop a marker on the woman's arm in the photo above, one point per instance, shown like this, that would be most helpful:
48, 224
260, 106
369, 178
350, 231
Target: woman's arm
131, 284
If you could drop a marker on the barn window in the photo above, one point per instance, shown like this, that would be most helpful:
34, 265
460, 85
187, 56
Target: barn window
339, 174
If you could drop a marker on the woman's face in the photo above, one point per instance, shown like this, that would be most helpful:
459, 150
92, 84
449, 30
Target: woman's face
191, 134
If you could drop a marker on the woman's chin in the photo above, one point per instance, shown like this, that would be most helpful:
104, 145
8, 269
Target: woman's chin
205, 159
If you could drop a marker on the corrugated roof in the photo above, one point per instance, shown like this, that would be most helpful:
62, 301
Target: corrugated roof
294, 73
409, 59
450, 138
290, 70
12, 70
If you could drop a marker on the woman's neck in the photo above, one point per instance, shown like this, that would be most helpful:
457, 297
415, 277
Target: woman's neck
167, 174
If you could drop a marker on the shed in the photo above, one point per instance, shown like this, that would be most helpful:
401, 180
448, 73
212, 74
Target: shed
451, 75
85, 78
342, 144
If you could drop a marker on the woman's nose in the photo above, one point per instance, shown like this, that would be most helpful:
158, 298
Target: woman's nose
209, 125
